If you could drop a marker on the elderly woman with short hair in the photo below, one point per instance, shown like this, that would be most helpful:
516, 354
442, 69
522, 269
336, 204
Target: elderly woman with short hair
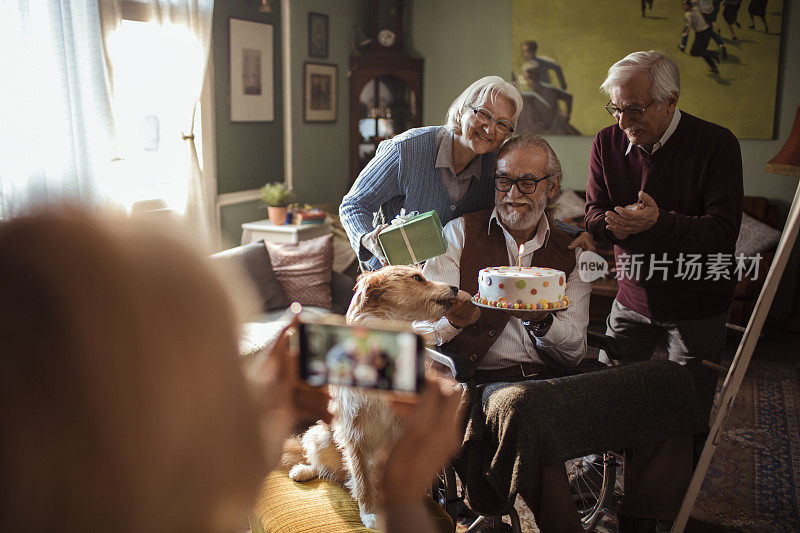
448, 169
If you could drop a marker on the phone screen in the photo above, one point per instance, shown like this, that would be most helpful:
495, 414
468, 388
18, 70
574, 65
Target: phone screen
361, 357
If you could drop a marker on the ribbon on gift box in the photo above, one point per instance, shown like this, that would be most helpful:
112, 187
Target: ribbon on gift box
398, 221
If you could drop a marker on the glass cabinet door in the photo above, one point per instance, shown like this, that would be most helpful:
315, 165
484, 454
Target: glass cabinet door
387, 106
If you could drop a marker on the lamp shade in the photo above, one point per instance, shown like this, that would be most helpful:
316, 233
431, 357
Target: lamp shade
787, 161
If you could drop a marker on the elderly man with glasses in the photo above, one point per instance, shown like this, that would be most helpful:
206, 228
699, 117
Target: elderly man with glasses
526, 423
665, 188
527, 182
508, 346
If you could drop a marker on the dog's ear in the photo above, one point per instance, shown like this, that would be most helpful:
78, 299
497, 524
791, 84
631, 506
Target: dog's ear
372, 293
370, 287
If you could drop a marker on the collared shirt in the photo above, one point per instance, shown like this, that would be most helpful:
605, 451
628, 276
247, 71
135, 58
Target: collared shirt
457, 184
565, 341
673, 124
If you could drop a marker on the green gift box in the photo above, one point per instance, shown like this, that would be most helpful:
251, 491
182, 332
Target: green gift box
424, 234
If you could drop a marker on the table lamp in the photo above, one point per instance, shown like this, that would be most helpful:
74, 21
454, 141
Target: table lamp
787, 161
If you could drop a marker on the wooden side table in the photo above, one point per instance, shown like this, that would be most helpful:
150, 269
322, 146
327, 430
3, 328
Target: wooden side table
286, 234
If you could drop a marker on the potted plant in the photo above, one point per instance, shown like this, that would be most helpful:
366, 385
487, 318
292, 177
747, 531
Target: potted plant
277, 196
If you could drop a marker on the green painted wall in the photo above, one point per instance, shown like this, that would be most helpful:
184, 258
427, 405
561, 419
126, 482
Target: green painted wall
320, 153
231, 218
248, 153
462, 40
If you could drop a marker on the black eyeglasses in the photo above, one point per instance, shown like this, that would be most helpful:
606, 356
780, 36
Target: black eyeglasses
485, 116
633, 112
525, 185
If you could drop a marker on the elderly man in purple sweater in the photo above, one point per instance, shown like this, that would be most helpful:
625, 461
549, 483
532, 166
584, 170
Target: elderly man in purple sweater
665, 188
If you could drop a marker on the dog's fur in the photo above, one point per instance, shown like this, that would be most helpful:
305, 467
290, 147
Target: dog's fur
362, 423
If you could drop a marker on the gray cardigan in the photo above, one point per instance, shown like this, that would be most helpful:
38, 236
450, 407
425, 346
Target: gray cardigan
403, 174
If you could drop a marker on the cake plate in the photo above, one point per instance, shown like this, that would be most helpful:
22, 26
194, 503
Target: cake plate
551, 310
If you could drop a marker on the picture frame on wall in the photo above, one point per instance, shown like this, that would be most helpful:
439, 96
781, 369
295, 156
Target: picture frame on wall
252, 78
317, 35
320, 92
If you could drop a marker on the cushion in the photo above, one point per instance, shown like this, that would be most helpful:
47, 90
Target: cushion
317, 505
304, 270
755, 236
570, 206
256, 262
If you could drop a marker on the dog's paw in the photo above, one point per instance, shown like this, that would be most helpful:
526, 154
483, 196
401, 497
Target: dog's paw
302, 472
369, 520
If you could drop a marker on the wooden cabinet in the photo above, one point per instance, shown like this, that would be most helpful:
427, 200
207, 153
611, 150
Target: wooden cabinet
385, 99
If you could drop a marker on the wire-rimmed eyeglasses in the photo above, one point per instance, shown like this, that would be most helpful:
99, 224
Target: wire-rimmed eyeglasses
632, 112
485, 116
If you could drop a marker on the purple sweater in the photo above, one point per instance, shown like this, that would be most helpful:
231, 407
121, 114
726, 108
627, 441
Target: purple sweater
696, 181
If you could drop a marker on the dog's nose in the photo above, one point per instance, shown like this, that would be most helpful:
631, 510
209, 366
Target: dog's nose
454, 289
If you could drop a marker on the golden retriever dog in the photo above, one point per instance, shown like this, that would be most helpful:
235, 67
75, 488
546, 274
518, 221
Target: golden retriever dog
363, 422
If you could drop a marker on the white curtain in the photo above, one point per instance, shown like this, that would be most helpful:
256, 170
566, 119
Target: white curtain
56, 127
99, 109
157, 69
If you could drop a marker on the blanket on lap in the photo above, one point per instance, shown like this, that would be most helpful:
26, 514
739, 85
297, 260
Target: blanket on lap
513, 428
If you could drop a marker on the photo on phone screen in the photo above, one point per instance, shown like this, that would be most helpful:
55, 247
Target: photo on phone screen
360, 357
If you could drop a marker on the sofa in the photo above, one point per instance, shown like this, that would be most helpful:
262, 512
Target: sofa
298, 271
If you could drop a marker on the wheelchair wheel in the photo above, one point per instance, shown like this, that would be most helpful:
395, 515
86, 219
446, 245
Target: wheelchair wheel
592, 479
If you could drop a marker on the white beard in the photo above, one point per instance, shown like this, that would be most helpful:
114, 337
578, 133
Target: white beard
522, 222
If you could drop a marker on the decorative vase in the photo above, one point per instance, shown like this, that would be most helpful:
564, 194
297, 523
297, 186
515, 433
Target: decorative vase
277, 215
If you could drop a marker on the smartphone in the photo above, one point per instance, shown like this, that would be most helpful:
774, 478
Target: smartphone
383, 359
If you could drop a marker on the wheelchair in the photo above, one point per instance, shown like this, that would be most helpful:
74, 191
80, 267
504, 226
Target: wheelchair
592, 479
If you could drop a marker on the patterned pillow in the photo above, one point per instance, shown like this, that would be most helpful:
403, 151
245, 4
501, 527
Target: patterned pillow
570, 206
755, 236
304, 270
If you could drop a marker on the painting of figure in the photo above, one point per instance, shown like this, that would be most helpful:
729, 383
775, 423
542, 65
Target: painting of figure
728, 60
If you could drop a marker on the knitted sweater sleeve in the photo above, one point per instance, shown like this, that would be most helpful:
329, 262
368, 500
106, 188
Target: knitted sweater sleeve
375, 185
597, 197
717, 228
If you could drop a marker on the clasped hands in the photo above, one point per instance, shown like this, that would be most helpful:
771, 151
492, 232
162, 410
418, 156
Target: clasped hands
631, 219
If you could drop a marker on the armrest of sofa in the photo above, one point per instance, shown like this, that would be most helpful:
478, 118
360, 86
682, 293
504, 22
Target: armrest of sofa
254, 261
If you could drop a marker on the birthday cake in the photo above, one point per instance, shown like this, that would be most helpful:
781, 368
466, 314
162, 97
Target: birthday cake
509, 287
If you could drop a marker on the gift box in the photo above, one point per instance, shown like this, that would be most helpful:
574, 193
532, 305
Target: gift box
423, 235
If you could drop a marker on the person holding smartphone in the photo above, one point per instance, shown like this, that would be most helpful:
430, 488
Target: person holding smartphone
123, 403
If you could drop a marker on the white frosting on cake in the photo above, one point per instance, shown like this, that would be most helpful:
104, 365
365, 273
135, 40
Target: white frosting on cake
528, 288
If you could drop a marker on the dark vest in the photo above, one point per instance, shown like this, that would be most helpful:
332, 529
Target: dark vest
484, 247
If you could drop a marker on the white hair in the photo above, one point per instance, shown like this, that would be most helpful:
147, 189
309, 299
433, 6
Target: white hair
484, 90
664, 76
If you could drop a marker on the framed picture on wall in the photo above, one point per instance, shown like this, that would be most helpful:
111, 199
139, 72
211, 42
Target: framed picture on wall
252, 79
319, 88
317, 35
558, 76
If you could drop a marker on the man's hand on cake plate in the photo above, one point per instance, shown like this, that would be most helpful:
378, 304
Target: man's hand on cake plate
585, 241
533, 316
634, 218
463, 312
